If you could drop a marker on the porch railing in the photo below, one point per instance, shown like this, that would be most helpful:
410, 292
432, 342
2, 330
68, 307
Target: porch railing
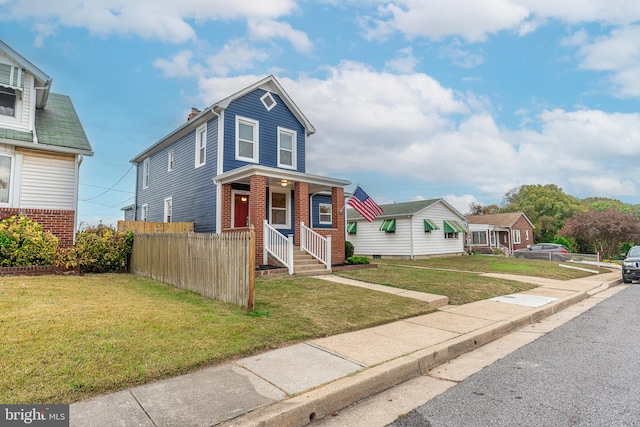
316, 245
278, 245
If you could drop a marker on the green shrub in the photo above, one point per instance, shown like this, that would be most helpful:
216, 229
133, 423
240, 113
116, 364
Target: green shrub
357, 260
23, 242
100, 249
348, 249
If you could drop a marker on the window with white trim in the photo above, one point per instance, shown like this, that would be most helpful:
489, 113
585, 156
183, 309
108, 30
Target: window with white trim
247, 144
280, 209
201, 146
144, 212
286, 148
324, 210
8, 99
268, 101
6, 172
145, 173
516, 236
11, 86
170, 161
526, 235
168, 209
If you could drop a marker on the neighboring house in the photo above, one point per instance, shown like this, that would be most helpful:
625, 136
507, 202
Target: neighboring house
42, 144
408, 230
506, 231
240, 162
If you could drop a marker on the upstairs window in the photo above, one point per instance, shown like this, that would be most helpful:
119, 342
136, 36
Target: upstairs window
268, 101
247, 143
145, 173
201, 146
7, 101
286, 148
170, 161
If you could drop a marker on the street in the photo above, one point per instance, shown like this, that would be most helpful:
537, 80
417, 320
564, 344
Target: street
583, 373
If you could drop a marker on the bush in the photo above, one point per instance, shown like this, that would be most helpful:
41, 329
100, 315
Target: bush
100, 249
357, 260
348, 249
23, 243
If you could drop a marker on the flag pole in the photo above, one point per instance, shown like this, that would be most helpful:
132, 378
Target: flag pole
345, 203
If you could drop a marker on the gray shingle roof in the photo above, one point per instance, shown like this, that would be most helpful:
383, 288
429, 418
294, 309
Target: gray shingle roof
397, 209
16, 135
58, 125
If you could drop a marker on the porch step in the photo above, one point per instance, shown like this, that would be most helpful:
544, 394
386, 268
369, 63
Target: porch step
306, 265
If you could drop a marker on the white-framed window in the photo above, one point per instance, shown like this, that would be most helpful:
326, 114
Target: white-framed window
526, 235
145, 173
144, 212
247, 144
168, 209
450, 235
201, 146
170, 161
516, 237
479, 238
8, 100
280, 209
324, 210
6, 174
268, 101
286, 148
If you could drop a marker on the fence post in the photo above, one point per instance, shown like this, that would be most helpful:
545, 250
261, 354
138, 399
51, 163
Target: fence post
252, 268
303, 237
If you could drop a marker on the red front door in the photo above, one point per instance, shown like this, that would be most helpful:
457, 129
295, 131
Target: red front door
240, 210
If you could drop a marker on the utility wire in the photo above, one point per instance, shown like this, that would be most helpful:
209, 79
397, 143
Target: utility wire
111, 188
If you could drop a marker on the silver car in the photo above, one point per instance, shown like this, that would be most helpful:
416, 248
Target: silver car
545, 251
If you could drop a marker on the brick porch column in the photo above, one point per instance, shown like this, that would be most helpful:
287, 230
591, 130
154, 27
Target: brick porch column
226, 206
337, 223
258, 211
301, 209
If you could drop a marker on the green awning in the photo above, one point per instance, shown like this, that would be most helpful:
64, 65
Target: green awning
451, 226
389, 225
430, 225
352, 227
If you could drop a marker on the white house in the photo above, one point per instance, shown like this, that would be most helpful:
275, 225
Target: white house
408, 230
42, 144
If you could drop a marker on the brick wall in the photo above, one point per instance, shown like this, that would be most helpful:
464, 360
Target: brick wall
225, 209
523, 225
301, 209
258, 211
61, 223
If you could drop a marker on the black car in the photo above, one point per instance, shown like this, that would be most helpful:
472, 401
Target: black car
631, 265
546, 251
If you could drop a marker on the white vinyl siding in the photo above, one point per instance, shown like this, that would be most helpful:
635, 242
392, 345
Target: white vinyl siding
47, 182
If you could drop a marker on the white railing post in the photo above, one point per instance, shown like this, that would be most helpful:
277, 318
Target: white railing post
265, 243
303, 236
290, 254
329, 252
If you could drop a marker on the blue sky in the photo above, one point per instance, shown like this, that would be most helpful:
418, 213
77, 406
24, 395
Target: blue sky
412, 99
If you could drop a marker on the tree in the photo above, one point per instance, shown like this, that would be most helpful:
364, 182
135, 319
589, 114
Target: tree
546, 206
604, 203
604, 231
480, 209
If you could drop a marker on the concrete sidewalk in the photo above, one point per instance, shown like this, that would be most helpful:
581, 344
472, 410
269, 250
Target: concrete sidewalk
295, 385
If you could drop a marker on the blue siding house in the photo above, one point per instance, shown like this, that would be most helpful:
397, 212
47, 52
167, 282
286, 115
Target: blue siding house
237, 163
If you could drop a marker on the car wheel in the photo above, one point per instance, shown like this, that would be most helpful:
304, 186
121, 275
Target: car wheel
625, 280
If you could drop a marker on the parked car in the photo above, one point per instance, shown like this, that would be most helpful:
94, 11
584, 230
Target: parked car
631, 265
546, 251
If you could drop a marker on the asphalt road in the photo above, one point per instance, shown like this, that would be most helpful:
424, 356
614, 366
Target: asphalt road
584, 373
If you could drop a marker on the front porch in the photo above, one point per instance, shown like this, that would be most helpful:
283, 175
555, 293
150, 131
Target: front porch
280, 202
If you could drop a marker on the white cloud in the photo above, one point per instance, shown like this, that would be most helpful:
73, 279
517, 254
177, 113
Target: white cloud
404, 62
461, 203
165, 20
461, 57
267, 29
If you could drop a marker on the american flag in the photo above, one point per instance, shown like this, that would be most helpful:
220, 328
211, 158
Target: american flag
364, 205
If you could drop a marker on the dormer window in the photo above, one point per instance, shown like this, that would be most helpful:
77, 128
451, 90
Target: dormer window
268, 101
7, 101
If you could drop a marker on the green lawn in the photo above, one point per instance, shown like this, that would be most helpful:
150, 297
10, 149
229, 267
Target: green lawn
63, 339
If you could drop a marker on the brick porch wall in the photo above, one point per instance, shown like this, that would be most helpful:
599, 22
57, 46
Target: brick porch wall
258, 211
301, 209
60, 223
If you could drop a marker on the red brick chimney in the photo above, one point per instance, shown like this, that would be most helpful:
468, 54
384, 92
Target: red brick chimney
194, 112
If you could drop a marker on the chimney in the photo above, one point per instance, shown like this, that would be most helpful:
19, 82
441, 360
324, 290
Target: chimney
194, 112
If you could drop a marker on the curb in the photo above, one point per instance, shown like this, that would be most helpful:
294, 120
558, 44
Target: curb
302, 409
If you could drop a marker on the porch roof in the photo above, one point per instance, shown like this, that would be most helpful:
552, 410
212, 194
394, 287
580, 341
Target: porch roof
275, 177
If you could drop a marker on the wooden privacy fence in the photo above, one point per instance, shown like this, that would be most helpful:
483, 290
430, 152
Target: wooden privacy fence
155, 227
220, 266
